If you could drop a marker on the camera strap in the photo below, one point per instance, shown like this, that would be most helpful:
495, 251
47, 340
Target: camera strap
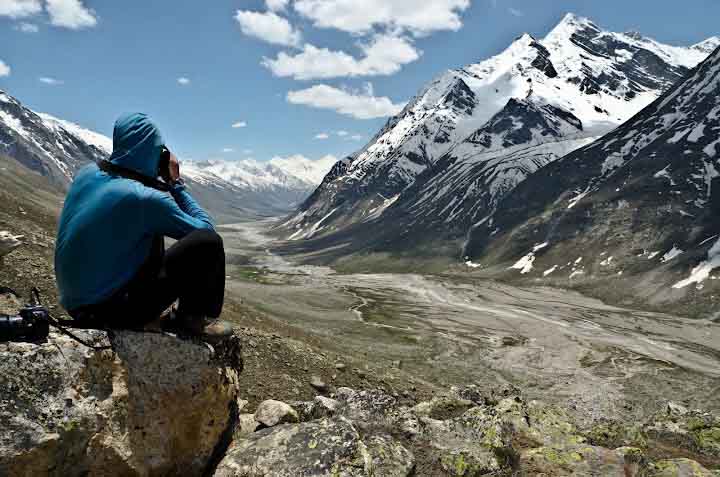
115, 170
63, 325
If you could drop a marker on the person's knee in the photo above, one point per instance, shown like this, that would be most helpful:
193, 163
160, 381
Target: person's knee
207, 240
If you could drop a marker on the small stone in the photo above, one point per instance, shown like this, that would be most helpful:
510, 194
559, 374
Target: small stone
340, 366
397, 364
246, 425
676, 409
9, 242
318, 384
271, 413
510, 341
324, 407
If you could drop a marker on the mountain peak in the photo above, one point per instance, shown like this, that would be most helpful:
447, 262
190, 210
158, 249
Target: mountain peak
525, 38
573, 20
571, 24
634, 34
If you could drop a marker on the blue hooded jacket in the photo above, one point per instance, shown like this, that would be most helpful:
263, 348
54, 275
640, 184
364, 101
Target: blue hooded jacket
108, 223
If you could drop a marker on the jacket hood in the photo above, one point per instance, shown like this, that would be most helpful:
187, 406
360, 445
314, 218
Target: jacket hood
137, 144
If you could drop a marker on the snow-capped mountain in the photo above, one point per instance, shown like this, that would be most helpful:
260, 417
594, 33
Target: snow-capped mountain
633, 215
277, 186
57, 148
52, 147
474, 133
292, 173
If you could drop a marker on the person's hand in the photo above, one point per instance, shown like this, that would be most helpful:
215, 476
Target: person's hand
173, 169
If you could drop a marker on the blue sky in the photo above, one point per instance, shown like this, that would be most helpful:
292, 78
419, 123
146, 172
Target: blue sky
88, 61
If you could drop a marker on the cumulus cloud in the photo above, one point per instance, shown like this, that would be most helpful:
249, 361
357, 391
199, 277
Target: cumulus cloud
4, 69
384, 55
239, 124
27, 27
322, 136
183, 81
269, 27
276, 5
70, 14
50, 81
19, 8
353, 16
360, 105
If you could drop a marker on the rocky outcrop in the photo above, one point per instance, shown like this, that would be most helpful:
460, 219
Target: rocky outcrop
151, 405
157, 405
467, 432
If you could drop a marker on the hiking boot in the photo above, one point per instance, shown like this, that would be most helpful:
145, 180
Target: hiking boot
211, 329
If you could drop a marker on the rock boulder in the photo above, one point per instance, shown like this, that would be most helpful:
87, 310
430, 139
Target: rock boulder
152, 405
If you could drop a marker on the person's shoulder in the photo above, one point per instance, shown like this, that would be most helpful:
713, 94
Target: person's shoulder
87, 170
151, 194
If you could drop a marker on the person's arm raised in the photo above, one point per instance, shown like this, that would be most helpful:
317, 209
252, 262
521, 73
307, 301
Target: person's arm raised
179, 192
173, 215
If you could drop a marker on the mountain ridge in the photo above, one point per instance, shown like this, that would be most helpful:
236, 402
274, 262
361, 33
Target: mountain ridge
644, 198
578, 75
57, 149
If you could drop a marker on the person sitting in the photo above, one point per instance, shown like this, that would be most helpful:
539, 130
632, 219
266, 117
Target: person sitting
111, 265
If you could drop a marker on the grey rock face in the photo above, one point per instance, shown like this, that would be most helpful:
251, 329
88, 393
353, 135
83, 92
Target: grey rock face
323, 447
484, 432
154, 405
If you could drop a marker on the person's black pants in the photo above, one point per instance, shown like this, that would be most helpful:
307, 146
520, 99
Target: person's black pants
191, 271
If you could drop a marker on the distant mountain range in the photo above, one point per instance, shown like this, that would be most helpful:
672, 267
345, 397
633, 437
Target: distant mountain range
276, 186
232, 190
471, 136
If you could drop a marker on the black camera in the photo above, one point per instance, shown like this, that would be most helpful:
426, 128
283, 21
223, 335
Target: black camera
164, 164
31, 324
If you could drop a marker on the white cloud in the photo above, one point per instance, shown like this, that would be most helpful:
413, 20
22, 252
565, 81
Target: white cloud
239, 124
384, 55
50, 81
228, 149
322, 136
276, 5
70, 14
247, 151
268, 27
356, 137
27, 27
183, 81
4, 69
515, 12
360, 105
342, 133
419, 17
19, 8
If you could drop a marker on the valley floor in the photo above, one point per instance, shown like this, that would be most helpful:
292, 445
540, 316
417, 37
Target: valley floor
412, 333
